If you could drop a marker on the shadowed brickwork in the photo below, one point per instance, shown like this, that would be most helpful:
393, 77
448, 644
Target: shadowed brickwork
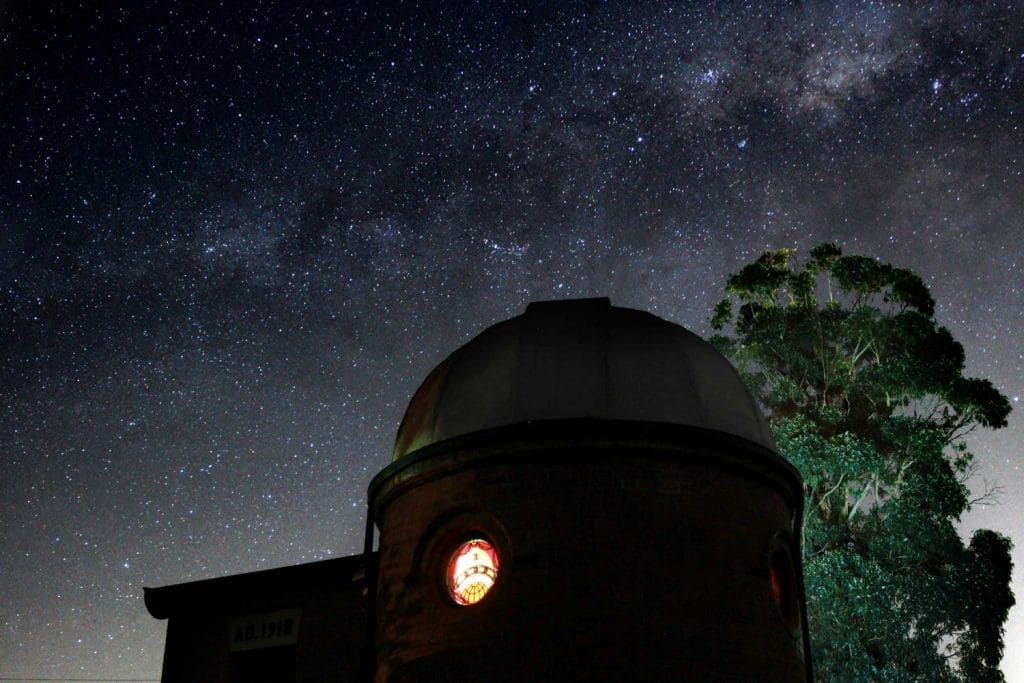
625, 556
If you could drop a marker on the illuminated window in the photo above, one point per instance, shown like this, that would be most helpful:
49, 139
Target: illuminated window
472, 570
782, 579
773, 577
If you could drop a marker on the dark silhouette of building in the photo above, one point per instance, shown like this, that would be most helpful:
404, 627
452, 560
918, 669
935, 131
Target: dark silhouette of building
583, 492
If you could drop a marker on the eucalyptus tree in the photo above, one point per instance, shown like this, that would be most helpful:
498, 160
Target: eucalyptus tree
867, 396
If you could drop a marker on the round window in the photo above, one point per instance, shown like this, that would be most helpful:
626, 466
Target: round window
472, 570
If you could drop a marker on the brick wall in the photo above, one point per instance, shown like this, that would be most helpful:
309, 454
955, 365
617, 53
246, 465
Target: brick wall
618, 562
325, 598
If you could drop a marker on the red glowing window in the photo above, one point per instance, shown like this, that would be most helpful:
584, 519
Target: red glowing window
472, 571
776, 586
782, 582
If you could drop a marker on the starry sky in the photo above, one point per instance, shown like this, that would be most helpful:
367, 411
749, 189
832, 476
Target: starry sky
235, 236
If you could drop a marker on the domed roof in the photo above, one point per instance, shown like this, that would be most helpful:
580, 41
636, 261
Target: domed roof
581, 359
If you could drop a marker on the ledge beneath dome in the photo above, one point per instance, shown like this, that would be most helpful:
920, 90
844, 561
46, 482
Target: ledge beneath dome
589, 441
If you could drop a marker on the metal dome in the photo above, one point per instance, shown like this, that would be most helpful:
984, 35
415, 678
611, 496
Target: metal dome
581, 359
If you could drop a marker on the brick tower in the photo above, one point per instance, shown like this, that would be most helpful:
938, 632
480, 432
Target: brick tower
586, 492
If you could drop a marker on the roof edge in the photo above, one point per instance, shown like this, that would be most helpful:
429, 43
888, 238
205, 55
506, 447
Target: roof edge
180, 598
524, 435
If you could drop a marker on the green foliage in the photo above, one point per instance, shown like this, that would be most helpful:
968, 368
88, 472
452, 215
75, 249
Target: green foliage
867, 398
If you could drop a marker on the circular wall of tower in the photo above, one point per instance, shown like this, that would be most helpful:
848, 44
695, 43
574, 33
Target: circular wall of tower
626, 554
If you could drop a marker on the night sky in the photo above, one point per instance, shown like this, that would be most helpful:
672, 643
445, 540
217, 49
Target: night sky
234, 239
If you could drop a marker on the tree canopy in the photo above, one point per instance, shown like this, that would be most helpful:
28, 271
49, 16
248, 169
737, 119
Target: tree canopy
867, 397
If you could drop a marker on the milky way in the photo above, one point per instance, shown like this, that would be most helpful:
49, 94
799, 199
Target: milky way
233, 241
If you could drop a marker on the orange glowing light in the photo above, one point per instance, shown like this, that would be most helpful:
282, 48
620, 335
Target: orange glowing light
783, 586
773, 577
472, 571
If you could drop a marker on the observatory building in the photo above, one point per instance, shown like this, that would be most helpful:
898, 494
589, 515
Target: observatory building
582, 492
